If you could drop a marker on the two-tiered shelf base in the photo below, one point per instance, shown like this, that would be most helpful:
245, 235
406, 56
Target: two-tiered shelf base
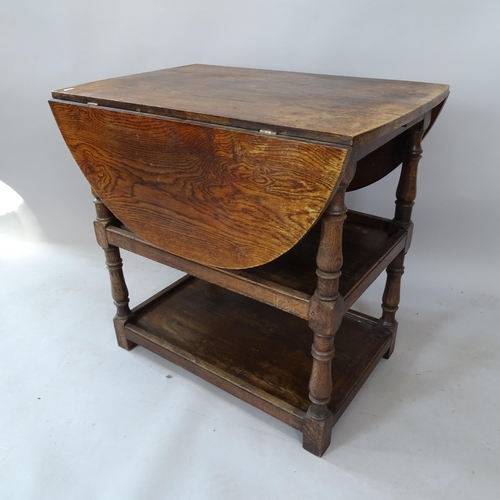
251, 349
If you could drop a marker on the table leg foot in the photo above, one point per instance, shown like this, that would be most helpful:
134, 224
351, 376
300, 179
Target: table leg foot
392, 345
317, 435
122, 340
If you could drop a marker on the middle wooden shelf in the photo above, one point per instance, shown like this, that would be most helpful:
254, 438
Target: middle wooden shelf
369, 244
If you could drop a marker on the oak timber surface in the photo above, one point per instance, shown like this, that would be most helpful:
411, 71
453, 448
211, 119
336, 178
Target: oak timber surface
344, 110
267, 349
365, 242
222, 198
288, 282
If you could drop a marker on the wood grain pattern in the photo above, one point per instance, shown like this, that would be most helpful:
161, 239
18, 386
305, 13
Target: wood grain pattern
369, 244
119, 290
406, 193
339, 109
253, 351
222, 173
325, 316
379, 163
390, 299
219, 197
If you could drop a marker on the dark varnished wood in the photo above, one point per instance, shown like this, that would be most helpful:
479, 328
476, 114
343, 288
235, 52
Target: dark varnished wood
369, 244
379, 158
325, 317
406, 193
343, 110
253, 351
288, 283
207, 194
268, 292
119, 290
238, 177
379, 163
391, 298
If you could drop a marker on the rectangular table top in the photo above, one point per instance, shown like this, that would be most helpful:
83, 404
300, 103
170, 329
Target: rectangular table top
337, 109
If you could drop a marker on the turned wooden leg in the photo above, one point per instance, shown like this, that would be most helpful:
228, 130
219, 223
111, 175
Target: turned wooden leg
119, 290
390, 299
405, 200
406, 191
325, 316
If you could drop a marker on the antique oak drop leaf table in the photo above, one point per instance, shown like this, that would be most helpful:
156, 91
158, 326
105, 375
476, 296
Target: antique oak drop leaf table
237, 177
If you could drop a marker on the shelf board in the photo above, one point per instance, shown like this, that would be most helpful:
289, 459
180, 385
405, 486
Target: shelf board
369, 244
251, 350
287, 283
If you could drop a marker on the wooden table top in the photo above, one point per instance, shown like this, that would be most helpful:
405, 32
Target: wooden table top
337, 109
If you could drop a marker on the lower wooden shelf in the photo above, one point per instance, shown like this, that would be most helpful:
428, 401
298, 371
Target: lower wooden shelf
251, 350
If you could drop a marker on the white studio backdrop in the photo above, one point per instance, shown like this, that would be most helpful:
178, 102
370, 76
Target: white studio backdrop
56, 43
